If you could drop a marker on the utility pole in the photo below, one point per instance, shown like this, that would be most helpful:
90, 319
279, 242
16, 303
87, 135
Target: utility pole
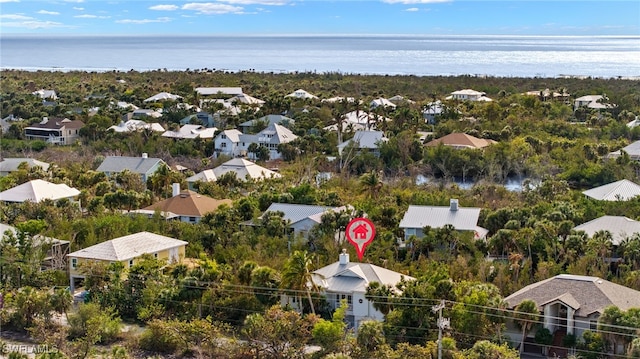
443, 323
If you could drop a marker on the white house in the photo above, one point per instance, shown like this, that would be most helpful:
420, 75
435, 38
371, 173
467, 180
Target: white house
163, 96
461, 218
39, 190
591, 101
302, 94
245, 170
620, 227
468, 95
46, 94
136, 125
191, 132
349, 281
622, 190
228, 143
381, 102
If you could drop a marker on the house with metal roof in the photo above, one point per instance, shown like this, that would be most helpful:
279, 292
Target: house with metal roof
136, 125
59, 131
597, 102
622, 190
265, 121
302, 217
633, 150
572, 304
39, 190
236, 144
228, 143
186, 206
364, 141
46, 94
145, 166
191, 132
162, 96
346, 280
245, 170
8, 165
127, 250
461, 218
460, 141
213, 91
620, 227
381, 102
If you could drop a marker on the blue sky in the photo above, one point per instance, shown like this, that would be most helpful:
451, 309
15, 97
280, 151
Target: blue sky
292, 17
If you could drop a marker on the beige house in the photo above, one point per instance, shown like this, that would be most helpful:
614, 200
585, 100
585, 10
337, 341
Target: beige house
127, 250
59, 131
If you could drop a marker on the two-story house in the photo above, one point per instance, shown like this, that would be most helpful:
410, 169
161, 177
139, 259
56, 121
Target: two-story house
59, 131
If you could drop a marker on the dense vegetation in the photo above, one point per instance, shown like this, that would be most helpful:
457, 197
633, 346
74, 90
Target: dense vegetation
230, 287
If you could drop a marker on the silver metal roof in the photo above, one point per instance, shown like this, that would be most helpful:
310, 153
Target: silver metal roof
464, 219
622, 190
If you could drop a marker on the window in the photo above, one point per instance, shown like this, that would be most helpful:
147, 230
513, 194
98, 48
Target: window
593, 325
74, 263
155, 255
130, 263
224, 137
192, 219
223, 145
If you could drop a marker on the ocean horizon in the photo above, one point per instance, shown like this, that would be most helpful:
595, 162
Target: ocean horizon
419, 55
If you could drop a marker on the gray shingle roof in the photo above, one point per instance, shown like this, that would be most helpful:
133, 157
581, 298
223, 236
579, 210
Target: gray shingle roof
128, 247
589, 294
464, 219
622, 190
620, 227
139, 165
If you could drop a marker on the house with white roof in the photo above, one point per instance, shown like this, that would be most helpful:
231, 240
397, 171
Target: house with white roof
191, 132
271, 137
302, 217
46, 94
228, 143
381, 102
597, 102
143, 113
39, 190
364, 140
622, 190
340, 99
8, 165
348, 281
127, 250
398, 99
136, 125
246, 99
571, 304
145, 166
468, 95
633, 150
245, 170
620, 227
203, 176
461, 218
162, 96
59, 131
301, 94
432, 111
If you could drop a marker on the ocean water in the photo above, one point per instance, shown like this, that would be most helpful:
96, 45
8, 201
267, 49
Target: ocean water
504, 56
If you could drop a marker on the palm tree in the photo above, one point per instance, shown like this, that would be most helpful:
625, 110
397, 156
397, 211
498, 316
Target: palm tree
371, 183
526, 314
297, 275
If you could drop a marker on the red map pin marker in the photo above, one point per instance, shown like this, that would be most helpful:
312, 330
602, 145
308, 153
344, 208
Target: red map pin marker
360, 232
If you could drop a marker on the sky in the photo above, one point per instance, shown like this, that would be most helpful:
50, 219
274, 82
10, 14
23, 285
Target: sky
320, 17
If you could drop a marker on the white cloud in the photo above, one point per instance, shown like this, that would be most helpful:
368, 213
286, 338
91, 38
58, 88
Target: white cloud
76, 1
406, 2
45, 12
90, 16
143, 21
1, 1
212, 8
15, 17
256, 2
412, 9
33, 24
164, 7
78, 8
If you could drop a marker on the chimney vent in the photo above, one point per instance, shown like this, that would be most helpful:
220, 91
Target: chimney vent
175, 189
145, 155
344, 257
453, 205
